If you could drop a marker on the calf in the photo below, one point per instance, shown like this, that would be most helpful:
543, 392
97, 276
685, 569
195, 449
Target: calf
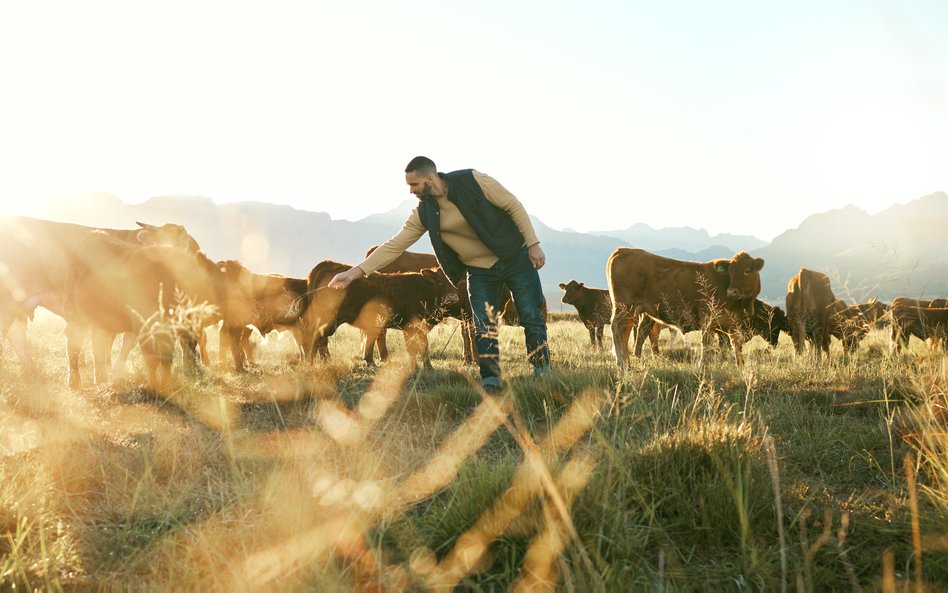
850, 324
767, 322
411, 261
410, 301
594, 306
276, 302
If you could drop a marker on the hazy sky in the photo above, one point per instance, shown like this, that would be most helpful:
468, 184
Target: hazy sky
735, 116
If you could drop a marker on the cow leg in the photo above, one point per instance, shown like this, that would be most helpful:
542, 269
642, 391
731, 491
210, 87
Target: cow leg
364, 344
416, 342
75, 336
642, 331
101, 354
298, 336
234, 335
723, 341
224, 345
158, 354
591, 328
798, 333
368, 345
653, 336
382, 344
202, 347
823, 343
737, 341
128, 342
621, 328
17, 337
189, 350
600, 328
247, 345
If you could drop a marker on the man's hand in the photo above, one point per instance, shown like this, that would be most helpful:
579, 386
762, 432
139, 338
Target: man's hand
344, 279
537, 256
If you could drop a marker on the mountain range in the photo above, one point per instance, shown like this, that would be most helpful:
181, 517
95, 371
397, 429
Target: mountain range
902, 250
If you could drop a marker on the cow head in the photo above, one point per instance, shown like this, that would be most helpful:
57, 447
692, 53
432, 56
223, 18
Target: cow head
173, 235
573, 290
875, 310
743, 275
777, 321
848, 323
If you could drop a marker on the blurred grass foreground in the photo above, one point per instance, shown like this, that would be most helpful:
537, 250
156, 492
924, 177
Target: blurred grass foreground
685, 473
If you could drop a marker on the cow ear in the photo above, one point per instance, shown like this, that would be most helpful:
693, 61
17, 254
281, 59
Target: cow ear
758, 264
562, 286
722, 267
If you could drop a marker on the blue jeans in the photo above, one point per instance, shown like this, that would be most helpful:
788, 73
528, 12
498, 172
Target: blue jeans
484, 288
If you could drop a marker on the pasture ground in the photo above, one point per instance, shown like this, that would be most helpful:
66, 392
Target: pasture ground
684, 473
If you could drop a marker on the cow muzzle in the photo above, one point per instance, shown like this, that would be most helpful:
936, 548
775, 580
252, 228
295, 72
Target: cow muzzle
735, 293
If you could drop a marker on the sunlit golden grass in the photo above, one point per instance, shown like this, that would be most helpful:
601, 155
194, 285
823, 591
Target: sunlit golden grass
683, 473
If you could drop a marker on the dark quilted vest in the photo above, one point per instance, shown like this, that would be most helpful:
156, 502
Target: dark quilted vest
491, 224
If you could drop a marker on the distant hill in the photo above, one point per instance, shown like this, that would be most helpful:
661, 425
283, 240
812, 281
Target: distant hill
900, 251
683, 239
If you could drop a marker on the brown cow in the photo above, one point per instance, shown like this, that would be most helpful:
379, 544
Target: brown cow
593, 305
35, 256
809, 300
119, 287
410, 301
714, 296
767, 322
457, 301
277, 302
851, 323
411, 261
924, 319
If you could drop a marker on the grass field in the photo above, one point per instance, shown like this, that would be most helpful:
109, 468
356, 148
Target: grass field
685, 473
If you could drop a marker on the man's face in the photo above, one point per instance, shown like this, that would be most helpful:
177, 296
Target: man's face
419, 185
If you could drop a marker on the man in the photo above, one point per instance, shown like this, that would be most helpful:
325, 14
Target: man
480, 231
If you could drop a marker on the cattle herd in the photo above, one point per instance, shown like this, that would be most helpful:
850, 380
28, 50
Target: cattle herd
157, 288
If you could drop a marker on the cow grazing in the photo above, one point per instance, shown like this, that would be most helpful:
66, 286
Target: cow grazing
809, 297
411, 261
410, 301
119, 287
767, 322
926, 319
35, 256
713, 296
851, 323
457, 301
276, 303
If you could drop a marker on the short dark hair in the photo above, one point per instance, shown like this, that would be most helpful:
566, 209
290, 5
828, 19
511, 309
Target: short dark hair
421, 164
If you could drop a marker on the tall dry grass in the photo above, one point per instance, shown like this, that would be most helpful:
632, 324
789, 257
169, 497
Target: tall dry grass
683, 473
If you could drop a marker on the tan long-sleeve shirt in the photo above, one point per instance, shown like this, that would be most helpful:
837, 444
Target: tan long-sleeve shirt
455, 231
